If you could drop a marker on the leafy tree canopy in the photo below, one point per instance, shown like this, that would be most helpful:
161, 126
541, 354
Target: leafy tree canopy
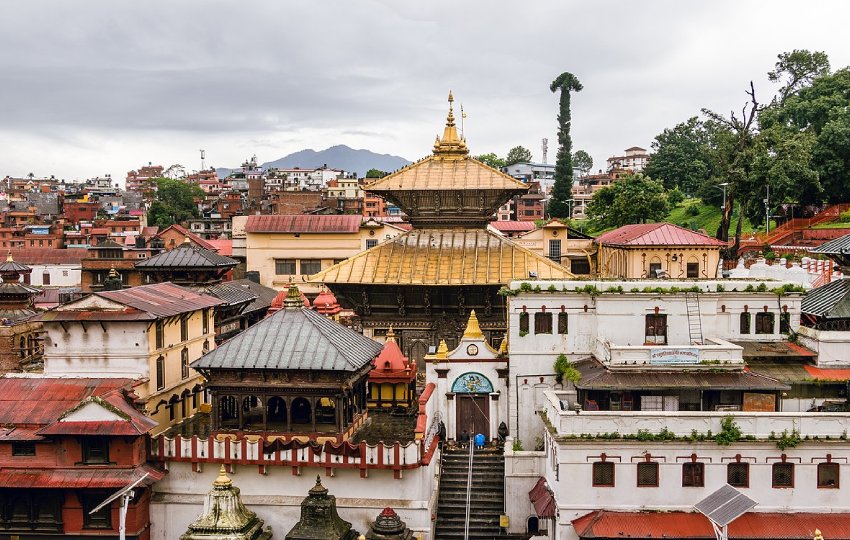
797, 69
582, 161
491, 160
681, 156
518, 154
635, 198
375, 173
174, 202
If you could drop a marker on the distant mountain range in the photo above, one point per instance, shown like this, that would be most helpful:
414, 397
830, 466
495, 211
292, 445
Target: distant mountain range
335, 157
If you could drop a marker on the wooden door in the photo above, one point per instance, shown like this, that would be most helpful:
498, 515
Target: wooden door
473, 415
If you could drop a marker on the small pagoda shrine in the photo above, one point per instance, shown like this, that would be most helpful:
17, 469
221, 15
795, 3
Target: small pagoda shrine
295, 373
388, 526
188, 265
319, 518
20, 346
225, 517
392, 381
326, 304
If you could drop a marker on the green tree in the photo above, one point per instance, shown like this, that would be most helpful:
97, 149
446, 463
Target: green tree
562, 189
375, 173
634, 198
582, 161
518, 154
491, 160
174, 202
681, 156
797, 69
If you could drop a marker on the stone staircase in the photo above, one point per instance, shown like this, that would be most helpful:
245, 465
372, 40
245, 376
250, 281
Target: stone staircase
486, 499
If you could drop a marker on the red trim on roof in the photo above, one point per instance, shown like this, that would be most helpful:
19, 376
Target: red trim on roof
753, 525
828, 374
302, 223
656, 234
542, 499
513, 226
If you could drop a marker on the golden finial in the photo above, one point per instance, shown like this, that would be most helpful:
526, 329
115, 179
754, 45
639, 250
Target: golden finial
442, 350
818, 535
473, 330
503, 346
9, 256
293, 297
223, 480
451, 145
391, 334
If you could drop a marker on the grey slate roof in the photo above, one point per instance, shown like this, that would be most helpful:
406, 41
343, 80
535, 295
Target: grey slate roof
231, 294
264, 295
831, 300
187, 255
293, 339
838, 246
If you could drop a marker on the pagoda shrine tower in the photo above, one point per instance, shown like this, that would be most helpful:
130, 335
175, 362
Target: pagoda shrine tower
424, 283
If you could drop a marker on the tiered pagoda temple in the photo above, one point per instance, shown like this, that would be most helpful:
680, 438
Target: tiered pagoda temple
424, 282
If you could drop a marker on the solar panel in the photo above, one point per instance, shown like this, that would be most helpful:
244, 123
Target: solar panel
725, 505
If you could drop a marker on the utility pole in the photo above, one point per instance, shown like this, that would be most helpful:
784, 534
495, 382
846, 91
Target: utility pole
723, 187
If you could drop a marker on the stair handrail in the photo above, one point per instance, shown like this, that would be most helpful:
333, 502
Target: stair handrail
468, 490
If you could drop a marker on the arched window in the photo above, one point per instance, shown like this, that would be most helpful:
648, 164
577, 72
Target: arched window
160, 372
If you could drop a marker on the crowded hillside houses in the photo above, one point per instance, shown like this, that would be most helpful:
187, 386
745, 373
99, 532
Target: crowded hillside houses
293, 365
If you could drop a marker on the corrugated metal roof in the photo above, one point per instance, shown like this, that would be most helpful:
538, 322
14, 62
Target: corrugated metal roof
692, 525
772, 349
839, 246
434, 173
296, 339
187, 255
82, 478
94, 428
831, 301
128, 314
594, 378
443, 257
302, 223
656, 234
161, 299
513, 226
264, 295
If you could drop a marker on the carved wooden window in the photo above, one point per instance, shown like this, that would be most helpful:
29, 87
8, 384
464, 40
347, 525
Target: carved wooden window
693, 474
647, 474
764, 323
656, 329
102, 519
542, 323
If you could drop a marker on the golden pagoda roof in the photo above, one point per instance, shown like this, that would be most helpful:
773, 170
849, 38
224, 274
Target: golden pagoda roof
443, 256
448, 168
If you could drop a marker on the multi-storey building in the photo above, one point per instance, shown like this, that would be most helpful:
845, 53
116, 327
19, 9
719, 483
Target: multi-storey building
633, 159
150, 332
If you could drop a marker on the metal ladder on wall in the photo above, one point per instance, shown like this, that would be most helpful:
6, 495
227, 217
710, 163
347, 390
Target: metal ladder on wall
694, 318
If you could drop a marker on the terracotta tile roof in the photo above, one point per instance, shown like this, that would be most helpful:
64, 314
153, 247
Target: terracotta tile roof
293, 339
513, 226
222, 247
302, 223
443, 257
33, 256
192, 236
752, 525
656, 234
391, 365
825, 374
82, 478
433, 173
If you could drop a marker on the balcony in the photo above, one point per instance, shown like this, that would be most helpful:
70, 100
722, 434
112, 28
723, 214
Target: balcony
715, 352
565, 421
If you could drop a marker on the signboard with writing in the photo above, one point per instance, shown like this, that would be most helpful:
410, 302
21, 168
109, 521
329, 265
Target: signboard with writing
670, 355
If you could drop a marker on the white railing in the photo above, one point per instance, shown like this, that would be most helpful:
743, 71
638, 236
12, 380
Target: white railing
761, 425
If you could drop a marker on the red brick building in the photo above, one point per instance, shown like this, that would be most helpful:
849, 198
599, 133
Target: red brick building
67, 444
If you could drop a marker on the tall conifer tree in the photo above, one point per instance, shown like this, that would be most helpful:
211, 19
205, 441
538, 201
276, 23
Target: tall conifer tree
561, 191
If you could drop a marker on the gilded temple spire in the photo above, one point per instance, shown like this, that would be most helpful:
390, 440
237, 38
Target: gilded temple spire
451, 146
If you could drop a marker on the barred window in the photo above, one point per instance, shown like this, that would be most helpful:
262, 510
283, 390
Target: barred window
693, 474
783, 475
542, 323
562, 323
647, 474
738, 474
603, 474
828, 475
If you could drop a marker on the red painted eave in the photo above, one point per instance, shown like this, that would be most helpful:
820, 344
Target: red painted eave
83, 478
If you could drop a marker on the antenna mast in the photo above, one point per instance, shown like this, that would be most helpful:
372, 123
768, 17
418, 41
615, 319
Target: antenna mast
545, 149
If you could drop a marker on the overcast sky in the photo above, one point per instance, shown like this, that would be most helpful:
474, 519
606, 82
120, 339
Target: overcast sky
90, 88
